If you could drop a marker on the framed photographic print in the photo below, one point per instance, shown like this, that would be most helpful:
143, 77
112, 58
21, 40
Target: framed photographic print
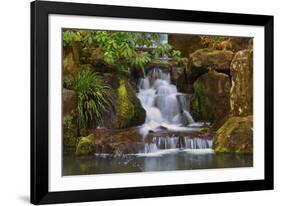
133, 102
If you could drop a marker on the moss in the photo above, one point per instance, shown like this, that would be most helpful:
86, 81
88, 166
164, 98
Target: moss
235, 136
212, 58
84, 146
199, 104
130, 111
126, 110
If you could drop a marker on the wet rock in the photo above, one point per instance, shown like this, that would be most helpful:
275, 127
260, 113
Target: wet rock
127, 110
69, 118
164, 64
210, 101
236, 135
204, 134
241, 93
111, 141
84, 146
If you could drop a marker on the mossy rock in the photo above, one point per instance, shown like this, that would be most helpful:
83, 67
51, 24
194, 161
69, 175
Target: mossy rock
130, 112
235, 136
210, 101
84, 146
241, 95
216, 59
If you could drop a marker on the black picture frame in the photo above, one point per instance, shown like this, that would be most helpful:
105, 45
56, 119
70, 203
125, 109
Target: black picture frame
39, 102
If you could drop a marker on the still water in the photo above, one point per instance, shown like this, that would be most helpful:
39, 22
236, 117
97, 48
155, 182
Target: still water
166, 160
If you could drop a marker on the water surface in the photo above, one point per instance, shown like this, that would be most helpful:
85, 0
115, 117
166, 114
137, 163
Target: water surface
166, 160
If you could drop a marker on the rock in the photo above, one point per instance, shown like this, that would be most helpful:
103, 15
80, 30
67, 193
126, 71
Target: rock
199, 63
70, 61
186, 44
95, 57
69, 118
176, 73
127, 110
210, 101
130, 111
241, 92
204, 59
239, 43
204, 134
84, 146
111, 141
236, 135
164, 64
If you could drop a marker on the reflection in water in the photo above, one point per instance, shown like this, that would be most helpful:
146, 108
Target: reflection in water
167, 161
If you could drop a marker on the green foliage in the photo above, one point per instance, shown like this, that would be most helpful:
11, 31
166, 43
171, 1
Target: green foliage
122, 49
70, 36
166, 50
94, 97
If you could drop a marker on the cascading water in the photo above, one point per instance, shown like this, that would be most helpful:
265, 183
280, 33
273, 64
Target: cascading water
164, 105
166, 109
158, 143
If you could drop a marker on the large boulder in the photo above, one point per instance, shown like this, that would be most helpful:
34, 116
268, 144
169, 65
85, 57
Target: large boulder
204, 59
111, 141
187, 44
210, 102
70, 130
199, 63
236, 135
241, 93
127, 110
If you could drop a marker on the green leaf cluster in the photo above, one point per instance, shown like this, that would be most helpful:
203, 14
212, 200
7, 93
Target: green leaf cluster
122, 49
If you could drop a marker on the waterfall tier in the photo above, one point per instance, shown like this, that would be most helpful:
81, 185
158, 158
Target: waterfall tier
161, 143
164, 105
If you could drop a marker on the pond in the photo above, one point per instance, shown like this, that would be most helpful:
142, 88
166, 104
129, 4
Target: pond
163, 160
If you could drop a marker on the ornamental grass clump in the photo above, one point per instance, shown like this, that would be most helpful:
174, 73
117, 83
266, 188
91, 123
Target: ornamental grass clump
94, 97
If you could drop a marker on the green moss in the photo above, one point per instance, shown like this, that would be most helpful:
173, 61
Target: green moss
126, 110
84, 146
199, 104
235, 136
130, 112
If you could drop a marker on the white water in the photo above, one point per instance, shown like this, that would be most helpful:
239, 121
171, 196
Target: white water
165, 106
167, 109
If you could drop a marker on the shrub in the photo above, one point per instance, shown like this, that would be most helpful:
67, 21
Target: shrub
94, 97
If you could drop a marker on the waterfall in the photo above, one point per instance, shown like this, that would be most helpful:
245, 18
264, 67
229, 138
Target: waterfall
160, 143
165, 106
166, 110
